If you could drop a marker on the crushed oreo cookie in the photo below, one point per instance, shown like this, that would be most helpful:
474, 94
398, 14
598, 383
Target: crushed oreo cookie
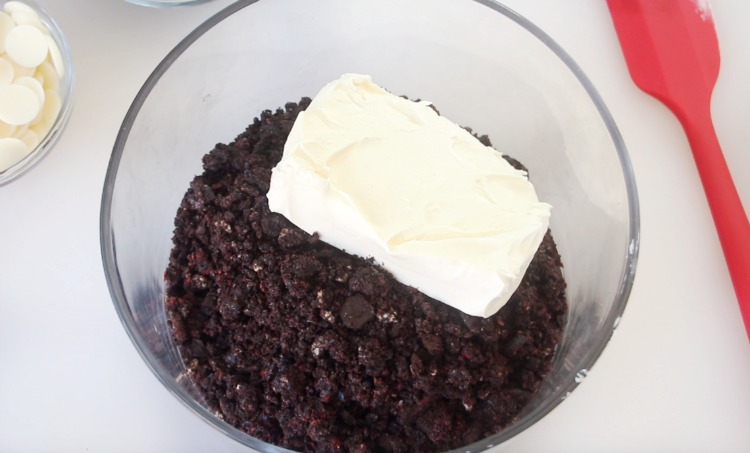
305, 346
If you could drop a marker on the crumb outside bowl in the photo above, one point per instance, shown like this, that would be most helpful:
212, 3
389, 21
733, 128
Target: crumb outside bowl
481, 63
65, 91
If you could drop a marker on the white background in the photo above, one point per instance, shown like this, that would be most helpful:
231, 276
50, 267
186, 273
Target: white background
675, 377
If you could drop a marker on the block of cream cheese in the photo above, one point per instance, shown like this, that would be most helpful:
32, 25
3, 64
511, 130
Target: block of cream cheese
380, 176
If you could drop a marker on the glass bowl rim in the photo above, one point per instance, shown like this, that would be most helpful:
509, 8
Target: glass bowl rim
161, 4
44, 147
529, 418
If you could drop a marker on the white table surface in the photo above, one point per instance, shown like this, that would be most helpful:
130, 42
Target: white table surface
675, 377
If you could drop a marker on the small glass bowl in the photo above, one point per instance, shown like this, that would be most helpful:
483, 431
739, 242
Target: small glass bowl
65, 91
481, 64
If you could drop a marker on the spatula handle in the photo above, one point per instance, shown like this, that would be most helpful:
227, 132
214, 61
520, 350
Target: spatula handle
726, 207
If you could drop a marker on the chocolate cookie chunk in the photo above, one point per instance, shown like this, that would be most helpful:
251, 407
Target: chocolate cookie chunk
304, 346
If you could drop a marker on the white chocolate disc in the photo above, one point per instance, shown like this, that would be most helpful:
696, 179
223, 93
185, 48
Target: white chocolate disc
56, 56
20, 71
18, 104
49, 76
24, 18
15, 7
6, 130
27, 46
30, 138
39, 78
6, 25
20, 130
7, 74
34, 85
52, 104
12, 151
51, 108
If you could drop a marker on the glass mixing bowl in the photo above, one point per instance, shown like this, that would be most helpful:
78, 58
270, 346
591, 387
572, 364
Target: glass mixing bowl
480, 63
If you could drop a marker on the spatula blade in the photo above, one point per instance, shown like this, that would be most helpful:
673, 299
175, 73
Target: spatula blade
671, 48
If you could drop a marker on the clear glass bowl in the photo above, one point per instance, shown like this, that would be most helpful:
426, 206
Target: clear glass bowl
480, 63
65, 91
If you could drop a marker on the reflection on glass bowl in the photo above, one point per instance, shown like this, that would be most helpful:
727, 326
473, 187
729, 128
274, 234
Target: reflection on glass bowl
165, 3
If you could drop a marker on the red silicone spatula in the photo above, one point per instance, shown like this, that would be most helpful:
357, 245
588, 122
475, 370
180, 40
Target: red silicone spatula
672, 53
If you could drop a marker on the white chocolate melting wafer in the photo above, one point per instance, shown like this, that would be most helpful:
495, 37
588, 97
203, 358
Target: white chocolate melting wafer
18, 104
27, 46
7, 74
12, 151
6, 25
